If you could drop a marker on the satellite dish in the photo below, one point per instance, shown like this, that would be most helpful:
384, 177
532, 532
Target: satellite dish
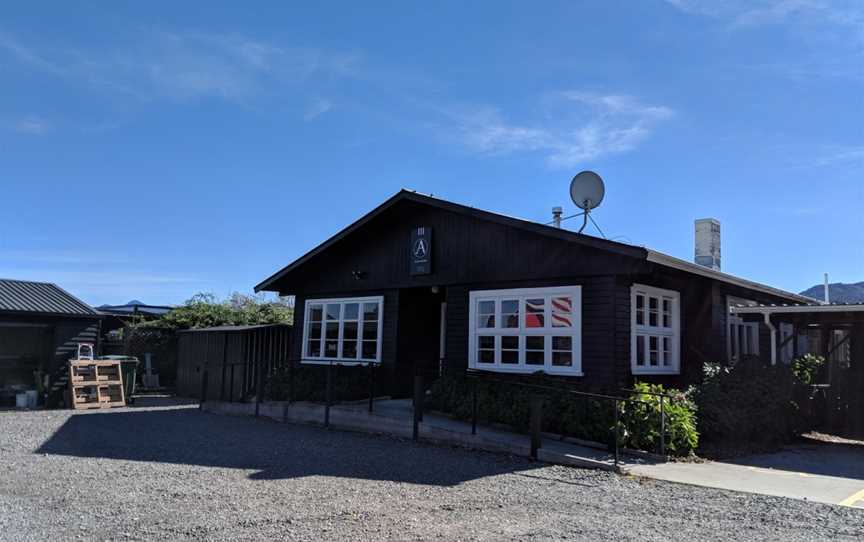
587, 190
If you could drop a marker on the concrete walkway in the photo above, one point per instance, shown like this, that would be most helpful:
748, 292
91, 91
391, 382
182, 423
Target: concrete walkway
395, 417
827, 473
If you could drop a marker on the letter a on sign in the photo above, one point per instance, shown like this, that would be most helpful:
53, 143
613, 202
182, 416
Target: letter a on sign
420, 251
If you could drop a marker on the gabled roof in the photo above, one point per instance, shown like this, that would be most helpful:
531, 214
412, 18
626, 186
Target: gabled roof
407, 195
23, 296
634, 251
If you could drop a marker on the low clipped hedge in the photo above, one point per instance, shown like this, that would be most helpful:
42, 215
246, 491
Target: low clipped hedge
569, 415
310, 383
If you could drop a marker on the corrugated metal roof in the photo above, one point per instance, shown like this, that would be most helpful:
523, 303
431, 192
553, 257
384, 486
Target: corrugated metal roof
40, 297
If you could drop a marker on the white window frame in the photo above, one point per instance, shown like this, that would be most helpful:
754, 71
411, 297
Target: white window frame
637, 331
574, 332
342, 301
743, 338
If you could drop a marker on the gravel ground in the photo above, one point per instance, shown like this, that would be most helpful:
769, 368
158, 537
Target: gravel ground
177, 473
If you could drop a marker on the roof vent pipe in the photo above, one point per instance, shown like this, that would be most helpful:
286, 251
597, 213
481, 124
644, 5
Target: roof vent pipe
827, 297
556, 216
708, 243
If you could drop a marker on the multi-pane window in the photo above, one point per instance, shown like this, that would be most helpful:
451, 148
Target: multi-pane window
743, 338
343, 330
655, 336
526, 330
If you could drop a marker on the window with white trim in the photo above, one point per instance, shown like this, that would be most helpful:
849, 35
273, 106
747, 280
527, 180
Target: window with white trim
526, 330
743, 338
343, 330
655, 330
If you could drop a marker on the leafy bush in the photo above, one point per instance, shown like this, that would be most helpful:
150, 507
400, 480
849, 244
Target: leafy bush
805, 368
565, 414
206, 310
641, 421
310, 383
745, 408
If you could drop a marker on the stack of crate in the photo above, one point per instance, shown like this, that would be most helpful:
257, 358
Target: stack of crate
96, 384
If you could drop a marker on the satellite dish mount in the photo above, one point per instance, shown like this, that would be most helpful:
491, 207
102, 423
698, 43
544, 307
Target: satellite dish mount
587, 191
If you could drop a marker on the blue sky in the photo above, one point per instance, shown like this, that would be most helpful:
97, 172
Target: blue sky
152, 150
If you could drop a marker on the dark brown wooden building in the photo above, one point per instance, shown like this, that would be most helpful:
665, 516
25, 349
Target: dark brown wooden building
421, 284
40, 328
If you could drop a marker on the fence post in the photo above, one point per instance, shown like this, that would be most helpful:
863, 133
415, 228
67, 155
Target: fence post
329, 395
290, 381
617, 432
231, 386
203, 389
536, 422
224, 359
259, 386
418, 405
662, 428
474, 407
371, 385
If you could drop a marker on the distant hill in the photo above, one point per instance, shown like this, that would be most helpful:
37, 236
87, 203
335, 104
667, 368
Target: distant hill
838, 292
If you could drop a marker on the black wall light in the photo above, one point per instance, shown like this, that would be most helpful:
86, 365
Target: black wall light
358, 275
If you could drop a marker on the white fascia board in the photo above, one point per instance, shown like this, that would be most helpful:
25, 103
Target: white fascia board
787, 309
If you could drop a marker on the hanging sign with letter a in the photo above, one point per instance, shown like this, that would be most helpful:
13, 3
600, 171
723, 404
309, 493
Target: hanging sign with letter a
420, 251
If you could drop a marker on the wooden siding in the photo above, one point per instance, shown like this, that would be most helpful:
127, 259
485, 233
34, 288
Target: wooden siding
215, 352
465, 249
472, 253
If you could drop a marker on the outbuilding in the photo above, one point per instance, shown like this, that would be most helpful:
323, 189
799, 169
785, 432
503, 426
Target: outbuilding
421, 285
40, 328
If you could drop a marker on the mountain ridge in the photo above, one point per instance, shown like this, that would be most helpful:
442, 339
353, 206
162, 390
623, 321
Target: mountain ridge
838, 292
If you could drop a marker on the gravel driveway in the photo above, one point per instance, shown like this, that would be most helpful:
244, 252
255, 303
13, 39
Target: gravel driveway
177, 473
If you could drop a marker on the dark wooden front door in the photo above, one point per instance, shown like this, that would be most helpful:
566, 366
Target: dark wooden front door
419, 336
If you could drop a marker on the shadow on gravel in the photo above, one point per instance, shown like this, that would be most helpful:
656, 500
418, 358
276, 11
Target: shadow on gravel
275, 451
823, 458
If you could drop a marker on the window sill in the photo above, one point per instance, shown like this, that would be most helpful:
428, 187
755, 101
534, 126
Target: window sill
346, 362
649, 372
519, 370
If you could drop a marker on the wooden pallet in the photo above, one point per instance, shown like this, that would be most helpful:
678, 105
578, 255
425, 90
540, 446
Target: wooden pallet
96, 384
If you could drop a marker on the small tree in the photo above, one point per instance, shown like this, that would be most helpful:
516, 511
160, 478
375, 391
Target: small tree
206, 310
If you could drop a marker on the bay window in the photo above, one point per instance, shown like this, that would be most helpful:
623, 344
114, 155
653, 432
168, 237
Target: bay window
655, 330
342, 330
526, 330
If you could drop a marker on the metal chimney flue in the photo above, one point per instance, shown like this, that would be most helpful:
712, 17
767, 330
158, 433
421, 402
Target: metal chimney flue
556, 216
708, 243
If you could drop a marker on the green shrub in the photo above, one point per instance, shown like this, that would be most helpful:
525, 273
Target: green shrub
641, 421
310, 383
745, 408
805, 368
566, 414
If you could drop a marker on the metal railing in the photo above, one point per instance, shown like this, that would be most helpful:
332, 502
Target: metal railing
536, 409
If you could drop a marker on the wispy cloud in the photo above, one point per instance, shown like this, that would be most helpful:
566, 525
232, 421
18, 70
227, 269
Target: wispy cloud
32, 126
185, 65
59, 256
841, 155
316, 108
758, 12
583, 126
